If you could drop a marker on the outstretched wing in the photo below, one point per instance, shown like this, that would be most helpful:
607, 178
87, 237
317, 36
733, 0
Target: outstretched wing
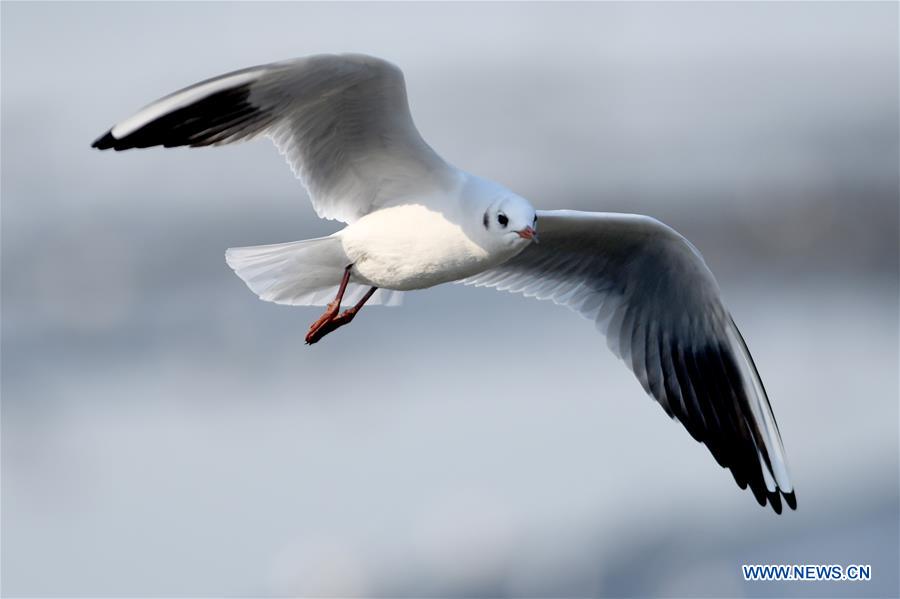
343, 123
649, 291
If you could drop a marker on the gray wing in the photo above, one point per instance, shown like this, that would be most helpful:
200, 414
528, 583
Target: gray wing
343, 122
649, 291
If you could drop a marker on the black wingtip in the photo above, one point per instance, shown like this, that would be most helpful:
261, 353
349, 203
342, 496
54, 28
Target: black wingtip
759, 494
791, 500
105, 141
775, 501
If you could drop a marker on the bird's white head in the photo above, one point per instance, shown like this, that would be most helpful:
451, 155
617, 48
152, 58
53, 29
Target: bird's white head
510, 222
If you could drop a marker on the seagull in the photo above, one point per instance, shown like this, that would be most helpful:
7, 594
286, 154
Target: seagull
414, 221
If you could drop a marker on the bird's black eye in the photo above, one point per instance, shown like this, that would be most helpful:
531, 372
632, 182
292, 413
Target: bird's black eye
535, 220
501, 218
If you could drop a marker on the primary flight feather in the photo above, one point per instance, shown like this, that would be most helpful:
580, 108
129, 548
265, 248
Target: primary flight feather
414, 221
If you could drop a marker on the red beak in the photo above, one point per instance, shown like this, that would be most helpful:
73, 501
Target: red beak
528, 233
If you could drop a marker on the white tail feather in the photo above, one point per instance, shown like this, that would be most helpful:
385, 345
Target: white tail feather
301, 273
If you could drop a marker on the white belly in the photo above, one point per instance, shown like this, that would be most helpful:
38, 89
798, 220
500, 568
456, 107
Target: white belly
411, 247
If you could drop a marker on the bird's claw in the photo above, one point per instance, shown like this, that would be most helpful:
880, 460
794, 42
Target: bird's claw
322, 327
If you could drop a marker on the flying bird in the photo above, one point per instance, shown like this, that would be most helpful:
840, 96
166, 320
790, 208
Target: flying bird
414, 221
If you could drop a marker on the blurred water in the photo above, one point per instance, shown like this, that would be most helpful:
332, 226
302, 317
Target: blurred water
165, 433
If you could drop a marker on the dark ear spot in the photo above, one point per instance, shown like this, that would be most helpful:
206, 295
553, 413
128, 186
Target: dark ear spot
485, 220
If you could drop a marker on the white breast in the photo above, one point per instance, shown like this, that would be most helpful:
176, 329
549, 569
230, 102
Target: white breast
412, 247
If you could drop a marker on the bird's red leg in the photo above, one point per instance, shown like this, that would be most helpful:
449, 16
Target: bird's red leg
331, 310
338, 321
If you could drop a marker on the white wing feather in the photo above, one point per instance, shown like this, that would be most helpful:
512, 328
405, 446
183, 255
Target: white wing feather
342, 122
649, 291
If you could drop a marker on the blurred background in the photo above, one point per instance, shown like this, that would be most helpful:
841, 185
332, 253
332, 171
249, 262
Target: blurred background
165, 433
